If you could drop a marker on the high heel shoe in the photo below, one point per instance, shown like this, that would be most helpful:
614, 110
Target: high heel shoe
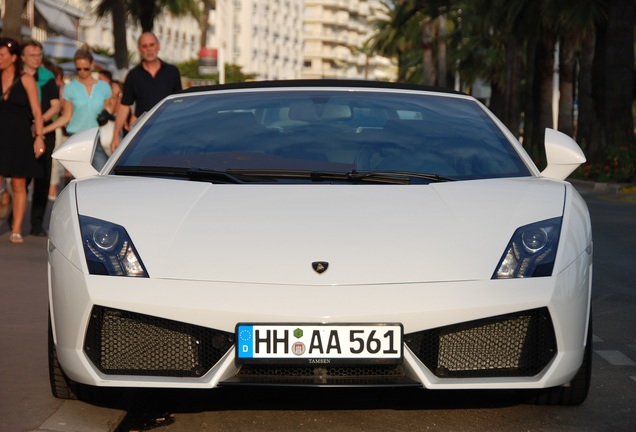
16, 238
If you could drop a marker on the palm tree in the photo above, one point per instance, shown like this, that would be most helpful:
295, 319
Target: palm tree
419, 16
390, 41
500, 39
574, 23
145, 12
441, 49
206, 6
12, 23
612, 81
118, 10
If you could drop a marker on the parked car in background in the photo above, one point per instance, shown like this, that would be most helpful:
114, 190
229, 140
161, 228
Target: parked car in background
321, 233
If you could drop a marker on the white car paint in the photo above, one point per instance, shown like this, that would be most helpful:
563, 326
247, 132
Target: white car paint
420, 255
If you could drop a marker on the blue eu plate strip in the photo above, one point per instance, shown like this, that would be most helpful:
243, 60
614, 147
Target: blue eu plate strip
245, 341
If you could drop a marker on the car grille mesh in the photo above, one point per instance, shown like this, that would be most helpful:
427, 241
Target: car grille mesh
517, 344
126, 343
331, 371
363, 375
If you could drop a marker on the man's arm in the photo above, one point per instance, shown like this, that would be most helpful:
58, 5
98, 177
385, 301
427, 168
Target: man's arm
120, 120
51, 93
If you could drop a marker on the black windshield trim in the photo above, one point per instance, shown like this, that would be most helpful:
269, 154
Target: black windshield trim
243, 176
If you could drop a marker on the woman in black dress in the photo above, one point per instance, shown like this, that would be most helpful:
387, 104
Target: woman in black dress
19, 148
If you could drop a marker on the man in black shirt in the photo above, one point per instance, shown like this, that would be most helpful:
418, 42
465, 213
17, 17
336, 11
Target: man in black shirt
146, 84
50, 101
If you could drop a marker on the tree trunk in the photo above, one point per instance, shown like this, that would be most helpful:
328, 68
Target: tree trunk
513, 90
427, 52
498, 102
12, 22
119, 34
441, 51
401, 78
544, 95
530, 92
147, 15
203, 23
586, 123
613, 78
567, 48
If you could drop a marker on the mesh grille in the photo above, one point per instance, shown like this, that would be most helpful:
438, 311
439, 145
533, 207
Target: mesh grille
127, 343
305, 371
518, 344
332, 376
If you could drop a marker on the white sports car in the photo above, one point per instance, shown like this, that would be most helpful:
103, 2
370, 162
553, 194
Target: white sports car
321, 233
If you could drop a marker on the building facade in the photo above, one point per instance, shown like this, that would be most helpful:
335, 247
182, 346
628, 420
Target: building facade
264, 37
336, 34
271, 39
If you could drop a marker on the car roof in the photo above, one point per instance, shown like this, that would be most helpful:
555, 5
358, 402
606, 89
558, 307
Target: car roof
321, 83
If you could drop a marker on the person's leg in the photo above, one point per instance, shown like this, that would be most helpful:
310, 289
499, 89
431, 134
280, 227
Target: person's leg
57, 171
40, 199
5, 199
19, 189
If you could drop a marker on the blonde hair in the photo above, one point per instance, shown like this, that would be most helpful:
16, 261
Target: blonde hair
84, 53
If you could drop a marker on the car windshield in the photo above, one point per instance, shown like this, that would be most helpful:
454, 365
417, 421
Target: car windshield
289, 136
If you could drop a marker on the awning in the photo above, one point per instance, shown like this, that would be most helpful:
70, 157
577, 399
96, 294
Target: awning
63, 48
60, 47
57, 19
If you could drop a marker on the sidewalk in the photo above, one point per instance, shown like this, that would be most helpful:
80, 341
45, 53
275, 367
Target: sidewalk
609, 188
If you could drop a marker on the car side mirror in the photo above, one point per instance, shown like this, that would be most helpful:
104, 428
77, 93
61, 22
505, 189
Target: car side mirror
76, 153
563, 154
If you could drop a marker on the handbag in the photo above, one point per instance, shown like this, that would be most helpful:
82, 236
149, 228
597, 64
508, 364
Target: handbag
104, 117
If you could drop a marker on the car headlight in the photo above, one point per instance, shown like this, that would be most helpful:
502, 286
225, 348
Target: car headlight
109, 249
531, 251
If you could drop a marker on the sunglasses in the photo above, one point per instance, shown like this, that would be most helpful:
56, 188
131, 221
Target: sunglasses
82, 69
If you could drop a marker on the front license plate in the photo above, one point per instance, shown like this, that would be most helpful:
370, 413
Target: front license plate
319, 343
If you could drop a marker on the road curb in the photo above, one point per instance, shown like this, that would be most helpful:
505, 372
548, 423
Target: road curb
75, 416
612, 188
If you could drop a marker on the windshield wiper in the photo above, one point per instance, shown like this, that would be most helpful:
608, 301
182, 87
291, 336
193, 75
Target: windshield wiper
386, 177
242, 176
401, 174
197, 174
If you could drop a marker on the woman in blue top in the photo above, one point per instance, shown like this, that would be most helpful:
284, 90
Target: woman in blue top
83, 99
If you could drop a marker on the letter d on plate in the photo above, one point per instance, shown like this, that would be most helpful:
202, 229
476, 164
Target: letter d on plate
245, 342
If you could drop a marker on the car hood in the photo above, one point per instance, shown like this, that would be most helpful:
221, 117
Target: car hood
368, 234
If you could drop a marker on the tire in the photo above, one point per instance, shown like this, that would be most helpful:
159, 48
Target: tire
575, 392
62, 386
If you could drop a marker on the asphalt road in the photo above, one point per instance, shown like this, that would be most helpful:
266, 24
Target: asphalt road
26, 404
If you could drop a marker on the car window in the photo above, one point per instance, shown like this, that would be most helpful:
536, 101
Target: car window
325, 130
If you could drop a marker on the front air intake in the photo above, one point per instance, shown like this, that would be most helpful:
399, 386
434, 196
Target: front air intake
514, 345
127, 343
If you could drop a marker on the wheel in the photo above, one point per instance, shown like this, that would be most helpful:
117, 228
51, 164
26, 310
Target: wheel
62, 386
572, 393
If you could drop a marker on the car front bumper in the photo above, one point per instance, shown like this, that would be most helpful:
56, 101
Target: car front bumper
156, 317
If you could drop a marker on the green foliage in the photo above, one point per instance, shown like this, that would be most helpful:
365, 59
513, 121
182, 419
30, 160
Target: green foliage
102, 51
190, 68
233, 73
619, 166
